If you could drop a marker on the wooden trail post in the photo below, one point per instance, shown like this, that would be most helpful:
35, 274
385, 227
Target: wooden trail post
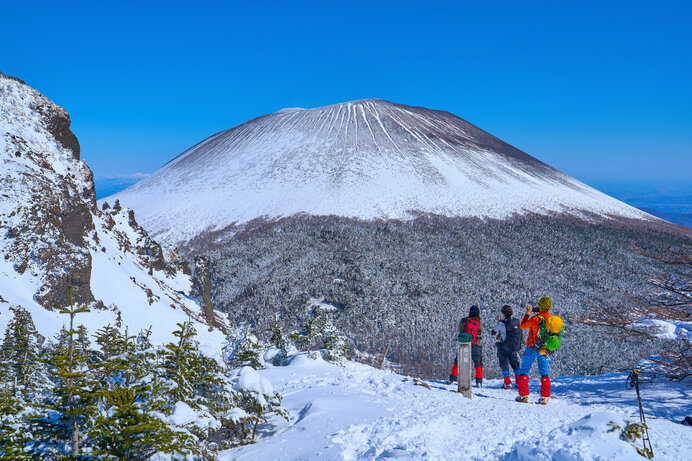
464, 369
384, 357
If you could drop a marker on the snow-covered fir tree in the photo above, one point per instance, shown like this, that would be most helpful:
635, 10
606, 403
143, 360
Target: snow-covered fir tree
319, 336
334, 342
70, 406
280, 341
20, 369
242, 348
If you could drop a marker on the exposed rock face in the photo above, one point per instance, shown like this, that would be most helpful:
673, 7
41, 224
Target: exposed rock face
53, 235
48, 195
201, 285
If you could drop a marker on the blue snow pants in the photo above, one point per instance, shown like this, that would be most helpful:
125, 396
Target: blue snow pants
530, 355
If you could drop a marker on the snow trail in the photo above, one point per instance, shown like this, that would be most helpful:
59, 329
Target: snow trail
357, 412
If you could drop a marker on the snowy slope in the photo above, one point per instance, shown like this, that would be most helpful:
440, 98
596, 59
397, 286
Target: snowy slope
53, 235
366, 159
358, 412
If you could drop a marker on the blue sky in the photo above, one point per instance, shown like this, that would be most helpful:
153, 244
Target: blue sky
600, 90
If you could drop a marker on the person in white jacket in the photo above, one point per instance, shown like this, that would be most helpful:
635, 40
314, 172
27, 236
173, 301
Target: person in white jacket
508, 339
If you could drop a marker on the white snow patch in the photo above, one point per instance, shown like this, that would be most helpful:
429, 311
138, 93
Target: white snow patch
250, 380
593, 437
358, 412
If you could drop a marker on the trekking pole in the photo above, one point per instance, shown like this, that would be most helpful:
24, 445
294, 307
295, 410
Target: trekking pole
633, 383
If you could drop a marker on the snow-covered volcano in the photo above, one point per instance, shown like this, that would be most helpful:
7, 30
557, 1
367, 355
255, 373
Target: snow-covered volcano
365, 159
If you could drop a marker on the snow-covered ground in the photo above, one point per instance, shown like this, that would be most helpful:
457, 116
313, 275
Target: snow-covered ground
358, 412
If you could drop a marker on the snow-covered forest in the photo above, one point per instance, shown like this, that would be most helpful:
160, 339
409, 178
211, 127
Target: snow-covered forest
403, 286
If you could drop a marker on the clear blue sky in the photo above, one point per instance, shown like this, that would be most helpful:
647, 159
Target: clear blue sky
599, 89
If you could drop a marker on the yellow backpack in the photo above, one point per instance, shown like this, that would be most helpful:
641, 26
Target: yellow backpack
549, 333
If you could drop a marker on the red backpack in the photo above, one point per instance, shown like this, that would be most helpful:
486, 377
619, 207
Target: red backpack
471, 327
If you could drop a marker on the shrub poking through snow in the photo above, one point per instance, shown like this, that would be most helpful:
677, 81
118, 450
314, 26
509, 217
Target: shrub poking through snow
598, 435
258, 401
308, 337
280, 341
334, 342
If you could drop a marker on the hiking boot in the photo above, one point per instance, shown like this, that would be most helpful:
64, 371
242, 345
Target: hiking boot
507, 386
522, 399
543, 401
479, 382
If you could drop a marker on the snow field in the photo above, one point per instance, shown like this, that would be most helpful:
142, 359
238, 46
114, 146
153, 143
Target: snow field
357, 412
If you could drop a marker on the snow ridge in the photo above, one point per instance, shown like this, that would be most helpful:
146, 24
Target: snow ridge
54, 235
366, 159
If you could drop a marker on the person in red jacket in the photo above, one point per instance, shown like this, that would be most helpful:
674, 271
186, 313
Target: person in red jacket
532, 353
472, 325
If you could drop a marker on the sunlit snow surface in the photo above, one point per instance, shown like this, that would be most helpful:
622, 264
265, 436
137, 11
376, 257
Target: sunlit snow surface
366, 159
358, 412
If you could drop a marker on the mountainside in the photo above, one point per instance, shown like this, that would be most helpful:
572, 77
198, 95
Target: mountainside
368, 159
53, 234
401, 218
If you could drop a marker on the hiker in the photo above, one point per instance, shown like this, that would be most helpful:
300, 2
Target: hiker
545, 331
508, 338
472, 325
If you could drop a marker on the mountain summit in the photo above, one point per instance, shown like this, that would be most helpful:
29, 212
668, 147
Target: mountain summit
366, 159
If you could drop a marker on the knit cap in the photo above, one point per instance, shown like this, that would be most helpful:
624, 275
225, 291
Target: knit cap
544, 304
474, 311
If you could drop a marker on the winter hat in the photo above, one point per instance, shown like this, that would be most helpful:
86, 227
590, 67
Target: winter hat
544, 304
474, 311
507, 310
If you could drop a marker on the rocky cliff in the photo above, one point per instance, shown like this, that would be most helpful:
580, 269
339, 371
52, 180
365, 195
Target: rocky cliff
53, 234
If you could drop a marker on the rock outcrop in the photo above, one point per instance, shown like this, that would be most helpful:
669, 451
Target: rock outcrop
48, 195
52, 233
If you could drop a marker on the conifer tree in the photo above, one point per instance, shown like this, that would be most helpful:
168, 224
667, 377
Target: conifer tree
112, 366
125, 428
179, 360
308, 336
126, 432
278, 339
242, 348
334, 342
70, 406
13, 430
20, 367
